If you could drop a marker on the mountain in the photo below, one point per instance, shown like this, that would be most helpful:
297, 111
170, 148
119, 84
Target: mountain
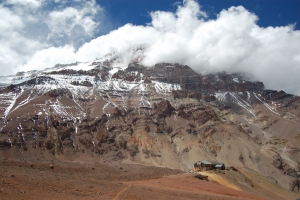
166, 115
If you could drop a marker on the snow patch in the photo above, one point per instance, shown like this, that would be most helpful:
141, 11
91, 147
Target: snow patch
236, 80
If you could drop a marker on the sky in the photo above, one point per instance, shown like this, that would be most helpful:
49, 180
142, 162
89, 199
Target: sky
260, 38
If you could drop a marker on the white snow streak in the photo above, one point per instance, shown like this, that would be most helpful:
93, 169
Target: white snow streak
242, 103
267, 105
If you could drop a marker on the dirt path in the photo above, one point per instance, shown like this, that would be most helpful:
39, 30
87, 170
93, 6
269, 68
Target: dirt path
122, 191
184, 183
221, 180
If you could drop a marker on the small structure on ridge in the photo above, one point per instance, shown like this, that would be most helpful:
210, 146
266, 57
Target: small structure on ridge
205, 165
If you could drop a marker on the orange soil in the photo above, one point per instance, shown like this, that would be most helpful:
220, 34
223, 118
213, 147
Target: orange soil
36, 180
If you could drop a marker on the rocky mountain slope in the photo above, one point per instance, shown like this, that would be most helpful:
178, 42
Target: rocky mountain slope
166, 115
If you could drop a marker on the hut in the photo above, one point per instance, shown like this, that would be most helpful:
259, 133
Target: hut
204, 165
220, 166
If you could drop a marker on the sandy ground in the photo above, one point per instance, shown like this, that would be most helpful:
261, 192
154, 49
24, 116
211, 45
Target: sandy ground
21, 179
249, 181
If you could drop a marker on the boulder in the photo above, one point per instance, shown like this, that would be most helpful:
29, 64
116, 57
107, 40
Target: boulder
164, 107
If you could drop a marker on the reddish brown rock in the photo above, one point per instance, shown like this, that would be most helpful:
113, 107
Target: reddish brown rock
182, 114
206, 115
147, 80
164, 107
295, 185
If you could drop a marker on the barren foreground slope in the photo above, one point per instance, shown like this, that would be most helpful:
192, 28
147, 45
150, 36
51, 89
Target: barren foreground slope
21, 179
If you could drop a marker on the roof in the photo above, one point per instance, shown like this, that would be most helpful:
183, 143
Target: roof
219, 165
209, 162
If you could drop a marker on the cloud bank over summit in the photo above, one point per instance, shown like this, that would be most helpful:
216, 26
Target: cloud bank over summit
233, 42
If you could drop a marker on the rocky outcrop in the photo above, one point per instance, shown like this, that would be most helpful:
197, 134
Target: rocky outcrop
124, 76
41, 80
58, 93
274, 95
195, 95
83, 83
200, 115
193, 85
164, 108
279, 163
295, 185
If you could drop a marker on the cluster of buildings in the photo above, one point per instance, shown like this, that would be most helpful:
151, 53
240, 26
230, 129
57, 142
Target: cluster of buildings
204, 165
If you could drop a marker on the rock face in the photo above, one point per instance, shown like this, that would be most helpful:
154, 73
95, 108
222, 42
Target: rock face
279, 163
166, 115
190, 80
164, 107
295, 185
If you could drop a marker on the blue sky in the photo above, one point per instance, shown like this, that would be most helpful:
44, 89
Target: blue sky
270, 12
260, 38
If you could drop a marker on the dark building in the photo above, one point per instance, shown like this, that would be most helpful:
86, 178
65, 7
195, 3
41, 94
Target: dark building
204, 165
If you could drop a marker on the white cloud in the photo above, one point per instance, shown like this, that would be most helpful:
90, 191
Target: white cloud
11, 22
64, 22
233, 42
49, 57
14, 47
31, 28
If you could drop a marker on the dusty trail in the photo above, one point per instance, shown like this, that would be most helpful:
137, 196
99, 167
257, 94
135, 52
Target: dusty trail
122, 191
221, 180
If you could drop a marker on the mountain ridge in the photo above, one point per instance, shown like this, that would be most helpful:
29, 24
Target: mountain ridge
166, 115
